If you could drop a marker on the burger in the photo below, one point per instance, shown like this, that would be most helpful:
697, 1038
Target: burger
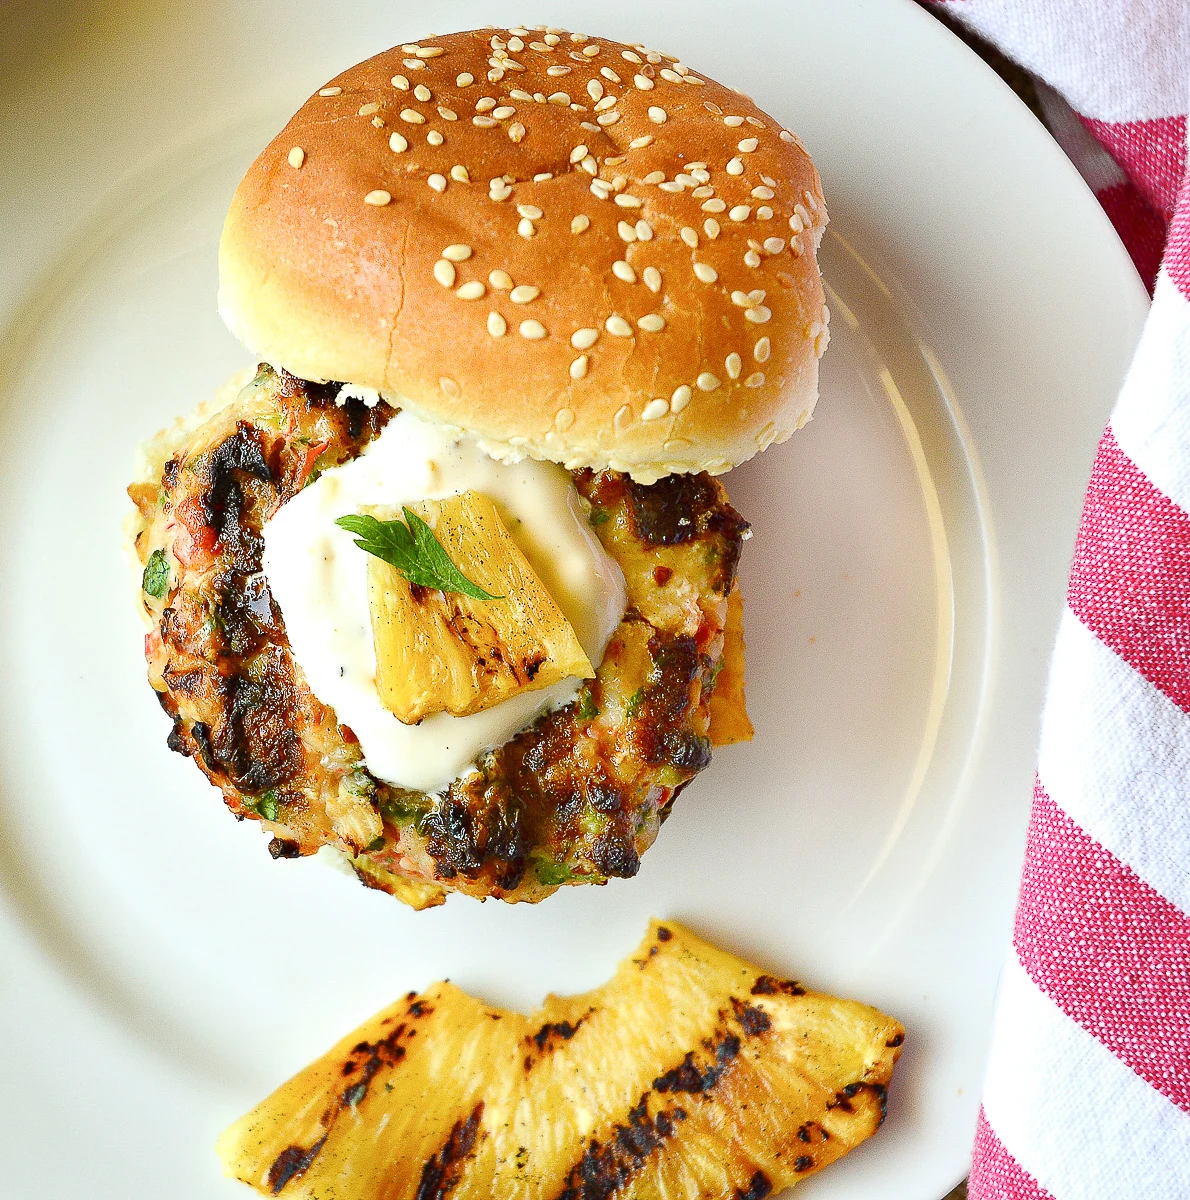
449, 584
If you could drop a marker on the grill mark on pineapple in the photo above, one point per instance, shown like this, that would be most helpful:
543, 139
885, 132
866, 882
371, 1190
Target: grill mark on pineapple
441, 1172
548, 1038
605, 1168
843, 1097
689, 1076
292, 1163
759, 1187
766, 985
752, 1020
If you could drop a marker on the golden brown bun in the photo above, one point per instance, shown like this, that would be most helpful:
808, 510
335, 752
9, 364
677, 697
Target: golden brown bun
318, 278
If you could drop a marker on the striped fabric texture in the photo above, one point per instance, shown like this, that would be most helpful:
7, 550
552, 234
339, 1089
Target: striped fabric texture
1087, 1095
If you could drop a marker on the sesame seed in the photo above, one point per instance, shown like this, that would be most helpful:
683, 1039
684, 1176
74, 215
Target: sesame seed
707, 382
330, 91
378, 198
564, 418
622, 418
713, 205
795, 248
409, 47
552, 39
584, 339
627, 231
757, 122
429, 51
680, 398
540, 47
457, 252
578, 368
578, 153
562, 99
471, 290
755, 380
590, 126
654, 410
693, 79
423, 93
601, 189
617, 326
629, 56
740, 212
638, 143
734, 365
619, 183
483, 122
608, 118
500, 280
735, 166
705, 273
413, 64
747, 145
670, 76
752, 259
795, 223
801, 211
608, 73
378, 122
516, 45
530, 210
412, 116
762, 350
733, 122
466, 79
786, 136
450, 387
589, 164
558, 70
658, 115
542, 176
526, 228
689, 236
495, 75
654, 177
764, 213
485, 104
591, 51
643, 82
652, 322
444, 272
699, 171
594, 89
741, 298
524, 293
652, 278
686, 180
622, 270
763, 193
644, 231
497, 325
774, 245
624, 200
459, 174
533, 330
434, 138
297, 156
701, 193
759, 314
503, 112
447, 114
516, 131
437, 182
670, 185
580, 223
366, 110
711, 228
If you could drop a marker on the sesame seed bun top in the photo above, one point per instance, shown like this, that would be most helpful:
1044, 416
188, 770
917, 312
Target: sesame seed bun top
576, 249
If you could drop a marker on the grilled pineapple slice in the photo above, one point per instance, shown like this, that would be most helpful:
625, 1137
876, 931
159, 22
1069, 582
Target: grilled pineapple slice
445, 652
689, 1074
729, 714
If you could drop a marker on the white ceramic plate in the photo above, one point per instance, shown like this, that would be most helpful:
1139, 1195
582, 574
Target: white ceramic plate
158, 972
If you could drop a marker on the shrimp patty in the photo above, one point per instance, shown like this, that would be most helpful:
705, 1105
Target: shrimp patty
577, 797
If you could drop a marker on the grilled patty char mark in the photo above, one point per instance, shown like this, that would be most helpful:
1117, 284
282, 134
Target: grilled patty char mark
576, 797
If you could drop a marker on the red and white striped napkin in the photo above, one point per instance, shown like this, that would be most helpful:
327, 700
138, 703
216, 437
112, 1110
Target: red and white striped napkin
1087, 1093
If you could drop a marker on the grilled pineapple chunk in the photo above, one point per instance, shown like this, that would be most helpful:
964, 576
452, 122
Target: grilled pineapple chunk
445, 652
689, 1074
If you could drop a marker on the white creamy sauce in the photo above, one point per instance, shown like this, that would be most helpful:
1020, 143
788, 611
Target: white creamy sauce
318, 577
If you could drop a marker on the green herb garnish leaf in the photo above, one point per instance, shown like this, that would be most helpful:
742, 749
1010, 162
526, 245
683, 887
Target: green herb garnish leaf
265, 805
412, 548
552, 873
155, 580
